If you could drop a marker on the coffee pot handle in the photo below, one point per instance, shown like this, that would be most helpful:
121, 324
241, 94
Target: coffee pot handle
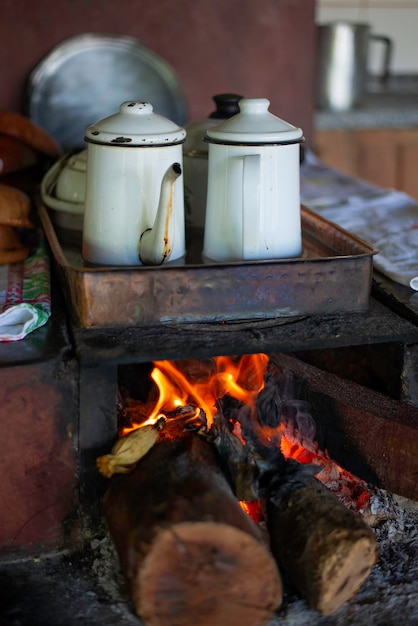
251, 210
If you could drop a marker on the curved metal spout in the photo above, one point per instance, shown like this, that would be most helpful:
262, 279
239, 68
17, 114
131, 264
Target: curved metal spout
156, 243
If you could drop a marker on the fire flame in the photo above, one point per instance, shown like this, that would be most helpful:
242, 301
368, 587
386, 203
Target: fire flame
242, 379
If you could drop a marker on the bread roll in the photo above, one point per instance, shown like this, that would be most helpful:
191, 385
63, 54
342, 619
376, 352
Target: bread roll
15, 155
11, 248
16, 125
15, 207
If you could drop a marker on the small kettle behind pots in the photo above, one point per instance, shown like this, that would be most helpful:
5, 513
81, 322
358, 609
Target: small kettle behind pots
195, 157
134, 208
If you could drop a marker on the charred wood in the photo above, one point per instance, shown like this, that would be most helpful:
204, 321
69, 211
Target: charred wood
326, 549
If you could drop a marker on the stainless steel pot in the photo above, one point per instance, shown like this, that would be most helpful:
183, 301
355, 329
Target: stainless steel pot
342, 57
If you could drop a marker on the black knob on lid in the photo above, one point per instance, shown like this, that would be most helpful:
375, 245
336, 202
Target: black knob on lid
226, 105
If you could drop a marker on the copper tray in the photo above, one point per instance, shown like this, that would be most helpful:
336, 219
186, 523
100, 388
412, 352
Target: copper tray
333, 275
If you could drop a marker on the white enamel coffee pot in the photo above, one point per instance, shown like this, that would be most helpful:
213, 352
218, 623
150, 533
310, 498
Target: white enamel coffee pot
134, 208
253, 198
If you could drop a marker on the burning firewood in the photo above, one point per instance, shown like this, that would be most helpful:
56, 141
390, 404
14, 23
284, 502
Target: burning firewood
326, 549
128, 450
188, 551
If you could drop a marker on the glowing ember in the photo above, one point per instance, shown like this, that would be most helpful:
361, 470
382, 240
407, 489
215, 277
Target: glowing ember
346, 486
253, 509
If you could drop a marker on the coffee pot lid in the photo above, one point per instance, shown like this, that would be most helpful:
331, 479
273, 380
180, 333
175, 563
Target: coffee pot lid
254, 124
135, 124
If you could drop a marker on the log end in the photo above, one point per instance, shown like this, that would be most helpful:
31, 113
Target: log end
326, 549
206, 573
343, 574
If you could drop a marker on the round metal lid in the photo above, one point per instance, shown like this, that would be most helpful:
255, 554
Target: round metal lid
86, 77
254, 124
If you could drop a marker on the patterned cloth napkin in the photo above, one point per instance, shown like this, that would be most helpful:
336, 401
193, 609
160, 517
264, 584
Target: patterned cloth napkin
386, 218
25, 295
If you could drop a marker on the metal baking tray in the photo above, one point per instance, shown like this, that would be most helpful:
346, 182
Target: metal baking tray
333, 275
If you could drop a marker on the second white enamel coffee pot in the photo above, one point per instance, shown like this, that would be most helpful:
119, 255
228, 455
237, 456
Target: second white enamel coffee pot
253, 197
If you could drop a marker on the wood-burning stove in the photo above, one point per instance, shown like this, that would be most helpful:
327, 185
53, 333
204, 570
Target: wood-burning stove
88, 365
102, 352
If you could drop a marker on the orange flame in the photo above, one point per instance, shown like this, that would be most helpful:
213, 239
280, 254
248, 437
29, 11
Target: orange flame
242, 379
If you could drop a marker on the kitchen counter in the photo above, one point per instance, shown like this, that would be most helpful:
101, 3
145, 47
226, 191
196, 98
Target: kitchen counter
390, 105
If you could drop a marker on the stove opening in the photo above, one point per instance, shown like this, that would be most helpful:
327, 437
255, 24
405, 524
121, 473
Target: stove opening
222, 487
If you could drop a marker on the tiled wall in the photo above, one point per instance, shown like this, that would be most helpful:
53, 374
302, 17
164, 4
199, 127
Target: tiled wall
397, 19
